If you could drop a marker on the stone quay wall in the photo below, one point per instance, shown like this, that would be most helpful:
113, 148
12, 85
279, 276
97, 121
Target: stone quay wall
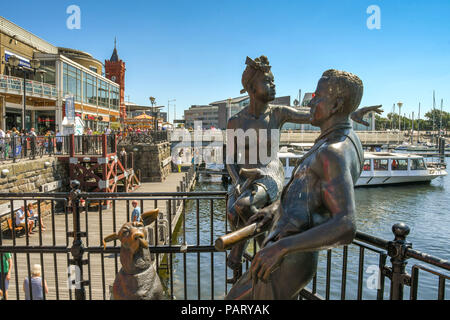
39, 175
153, 161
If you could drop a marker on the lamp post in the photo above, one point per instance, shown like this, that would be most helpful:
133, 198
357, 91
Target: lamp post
155, 113
13, 63
168, 109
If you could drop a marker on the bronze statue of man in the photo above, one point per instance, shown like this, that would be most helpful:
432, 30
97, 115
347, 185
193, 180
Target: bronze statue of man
316, 209
256, 185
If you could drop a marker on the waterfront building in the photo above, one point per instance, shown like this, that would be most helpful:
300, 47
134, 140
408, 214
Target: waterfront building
98, 99
41, 94
208, 114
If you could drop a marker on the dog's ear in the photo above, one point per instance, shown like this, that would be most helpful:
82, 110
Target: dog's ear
111, 237
150, 216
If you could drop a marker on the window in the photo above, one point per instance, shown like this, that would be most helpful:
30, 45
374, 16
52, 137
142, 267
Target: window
114, 97
90, 89
418, 164
380, 164
366, 166
72, 81
103, 94
399, 164
93, 69
283, 161
49, 68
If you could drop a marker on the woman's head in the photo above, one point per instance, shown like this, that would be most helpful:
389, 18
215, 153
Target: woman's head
257, 79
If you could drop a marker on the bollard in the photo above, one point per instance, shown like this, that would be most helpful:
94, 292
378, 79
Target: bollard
397, 251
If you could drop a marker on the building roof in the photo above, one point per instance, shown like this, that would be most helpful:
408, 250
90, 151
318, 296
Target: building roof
114, 56
131, 106
20, 34
233, 100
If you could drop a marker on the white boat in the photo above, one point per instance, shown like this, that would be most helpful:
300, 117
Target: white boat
380, 168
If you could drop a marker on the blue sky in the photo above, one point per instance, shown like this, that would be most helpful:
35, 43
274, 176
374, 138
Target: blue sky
194, 51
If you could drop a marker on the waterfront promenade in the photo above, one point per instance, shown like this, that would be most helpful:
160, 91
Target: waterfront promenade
55, 265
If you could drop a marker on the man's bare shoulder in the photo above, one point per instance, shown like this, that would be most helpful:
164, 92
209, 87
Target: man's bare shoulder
333, 157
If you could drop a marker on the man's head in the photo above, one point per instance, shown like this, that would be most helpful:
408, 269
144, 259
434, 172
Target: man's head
134, 203
337, 93
258, 80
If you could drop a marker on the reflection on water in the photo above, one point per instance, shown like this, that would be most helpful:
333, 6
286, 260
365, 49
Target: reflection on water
423, 207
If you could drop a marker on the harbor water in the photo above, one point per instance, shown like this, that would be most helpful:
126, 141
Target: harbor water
423, 207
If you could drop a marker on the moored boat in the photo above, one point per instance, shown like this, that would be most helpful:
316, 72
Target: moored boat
380, 168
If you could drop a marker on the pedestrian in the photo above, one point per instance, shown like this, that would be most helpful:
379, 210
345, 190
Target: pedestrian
2, 142
136, 214
5, 274
33, 137
37, 284
7, 143
59, 141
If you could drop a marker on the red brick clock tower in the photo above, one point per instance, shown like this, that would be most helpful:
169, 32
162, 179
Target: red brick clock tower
115, 71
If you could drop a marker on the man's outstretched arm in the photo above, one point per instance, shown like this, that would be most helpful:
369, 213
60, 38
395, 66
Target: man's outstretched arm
338, 198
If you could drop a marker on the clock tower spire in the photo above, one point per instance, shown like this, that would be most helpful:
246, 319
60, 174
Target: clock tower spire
115, 71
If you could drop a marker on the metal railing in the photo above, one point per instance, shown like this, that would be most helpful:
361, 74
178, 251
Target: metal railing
143, 137
14, 85
30, 147
182, 245
19, 147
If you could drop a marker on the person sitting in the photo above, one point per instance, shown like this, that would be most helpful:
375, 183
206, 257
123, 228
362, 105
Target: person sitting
20, 220
136, 214
34, 216
37, 284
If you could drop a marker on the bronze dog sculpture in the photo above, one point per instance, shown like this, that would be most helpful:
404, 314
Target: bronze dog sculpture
137, 279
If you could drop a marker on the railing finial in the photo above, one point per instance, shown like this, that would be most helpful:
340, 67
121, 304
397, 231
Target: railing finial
400, 231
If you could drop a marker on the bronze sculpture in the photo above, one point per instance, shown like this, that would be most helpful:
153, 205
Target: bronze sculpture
316, 208
257, 185
137, 279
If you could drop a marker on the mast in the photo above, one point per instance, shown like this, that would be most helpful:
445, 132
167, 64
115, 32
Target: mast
434, 107
418, 126
440, 121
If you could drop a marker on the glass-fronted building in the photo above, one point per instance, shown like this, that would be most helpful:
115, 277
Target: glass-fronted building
96, 98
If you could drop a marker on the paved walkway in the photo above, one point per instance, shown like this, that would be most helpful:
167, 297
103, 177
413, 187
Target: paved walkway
55, 265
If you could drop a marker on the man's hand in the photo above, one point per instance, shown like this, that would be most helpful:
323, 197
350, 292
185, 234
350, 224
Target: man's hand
266, 261
360, 113
8, 276
264, 217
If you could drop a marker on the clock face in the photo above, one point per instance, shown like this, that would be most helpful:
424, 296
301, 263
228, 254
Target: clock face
113, 78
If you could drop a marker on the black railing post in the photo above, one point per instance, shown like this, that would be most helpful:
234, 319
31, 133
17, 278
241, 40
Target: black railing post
397, 251
77, 245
